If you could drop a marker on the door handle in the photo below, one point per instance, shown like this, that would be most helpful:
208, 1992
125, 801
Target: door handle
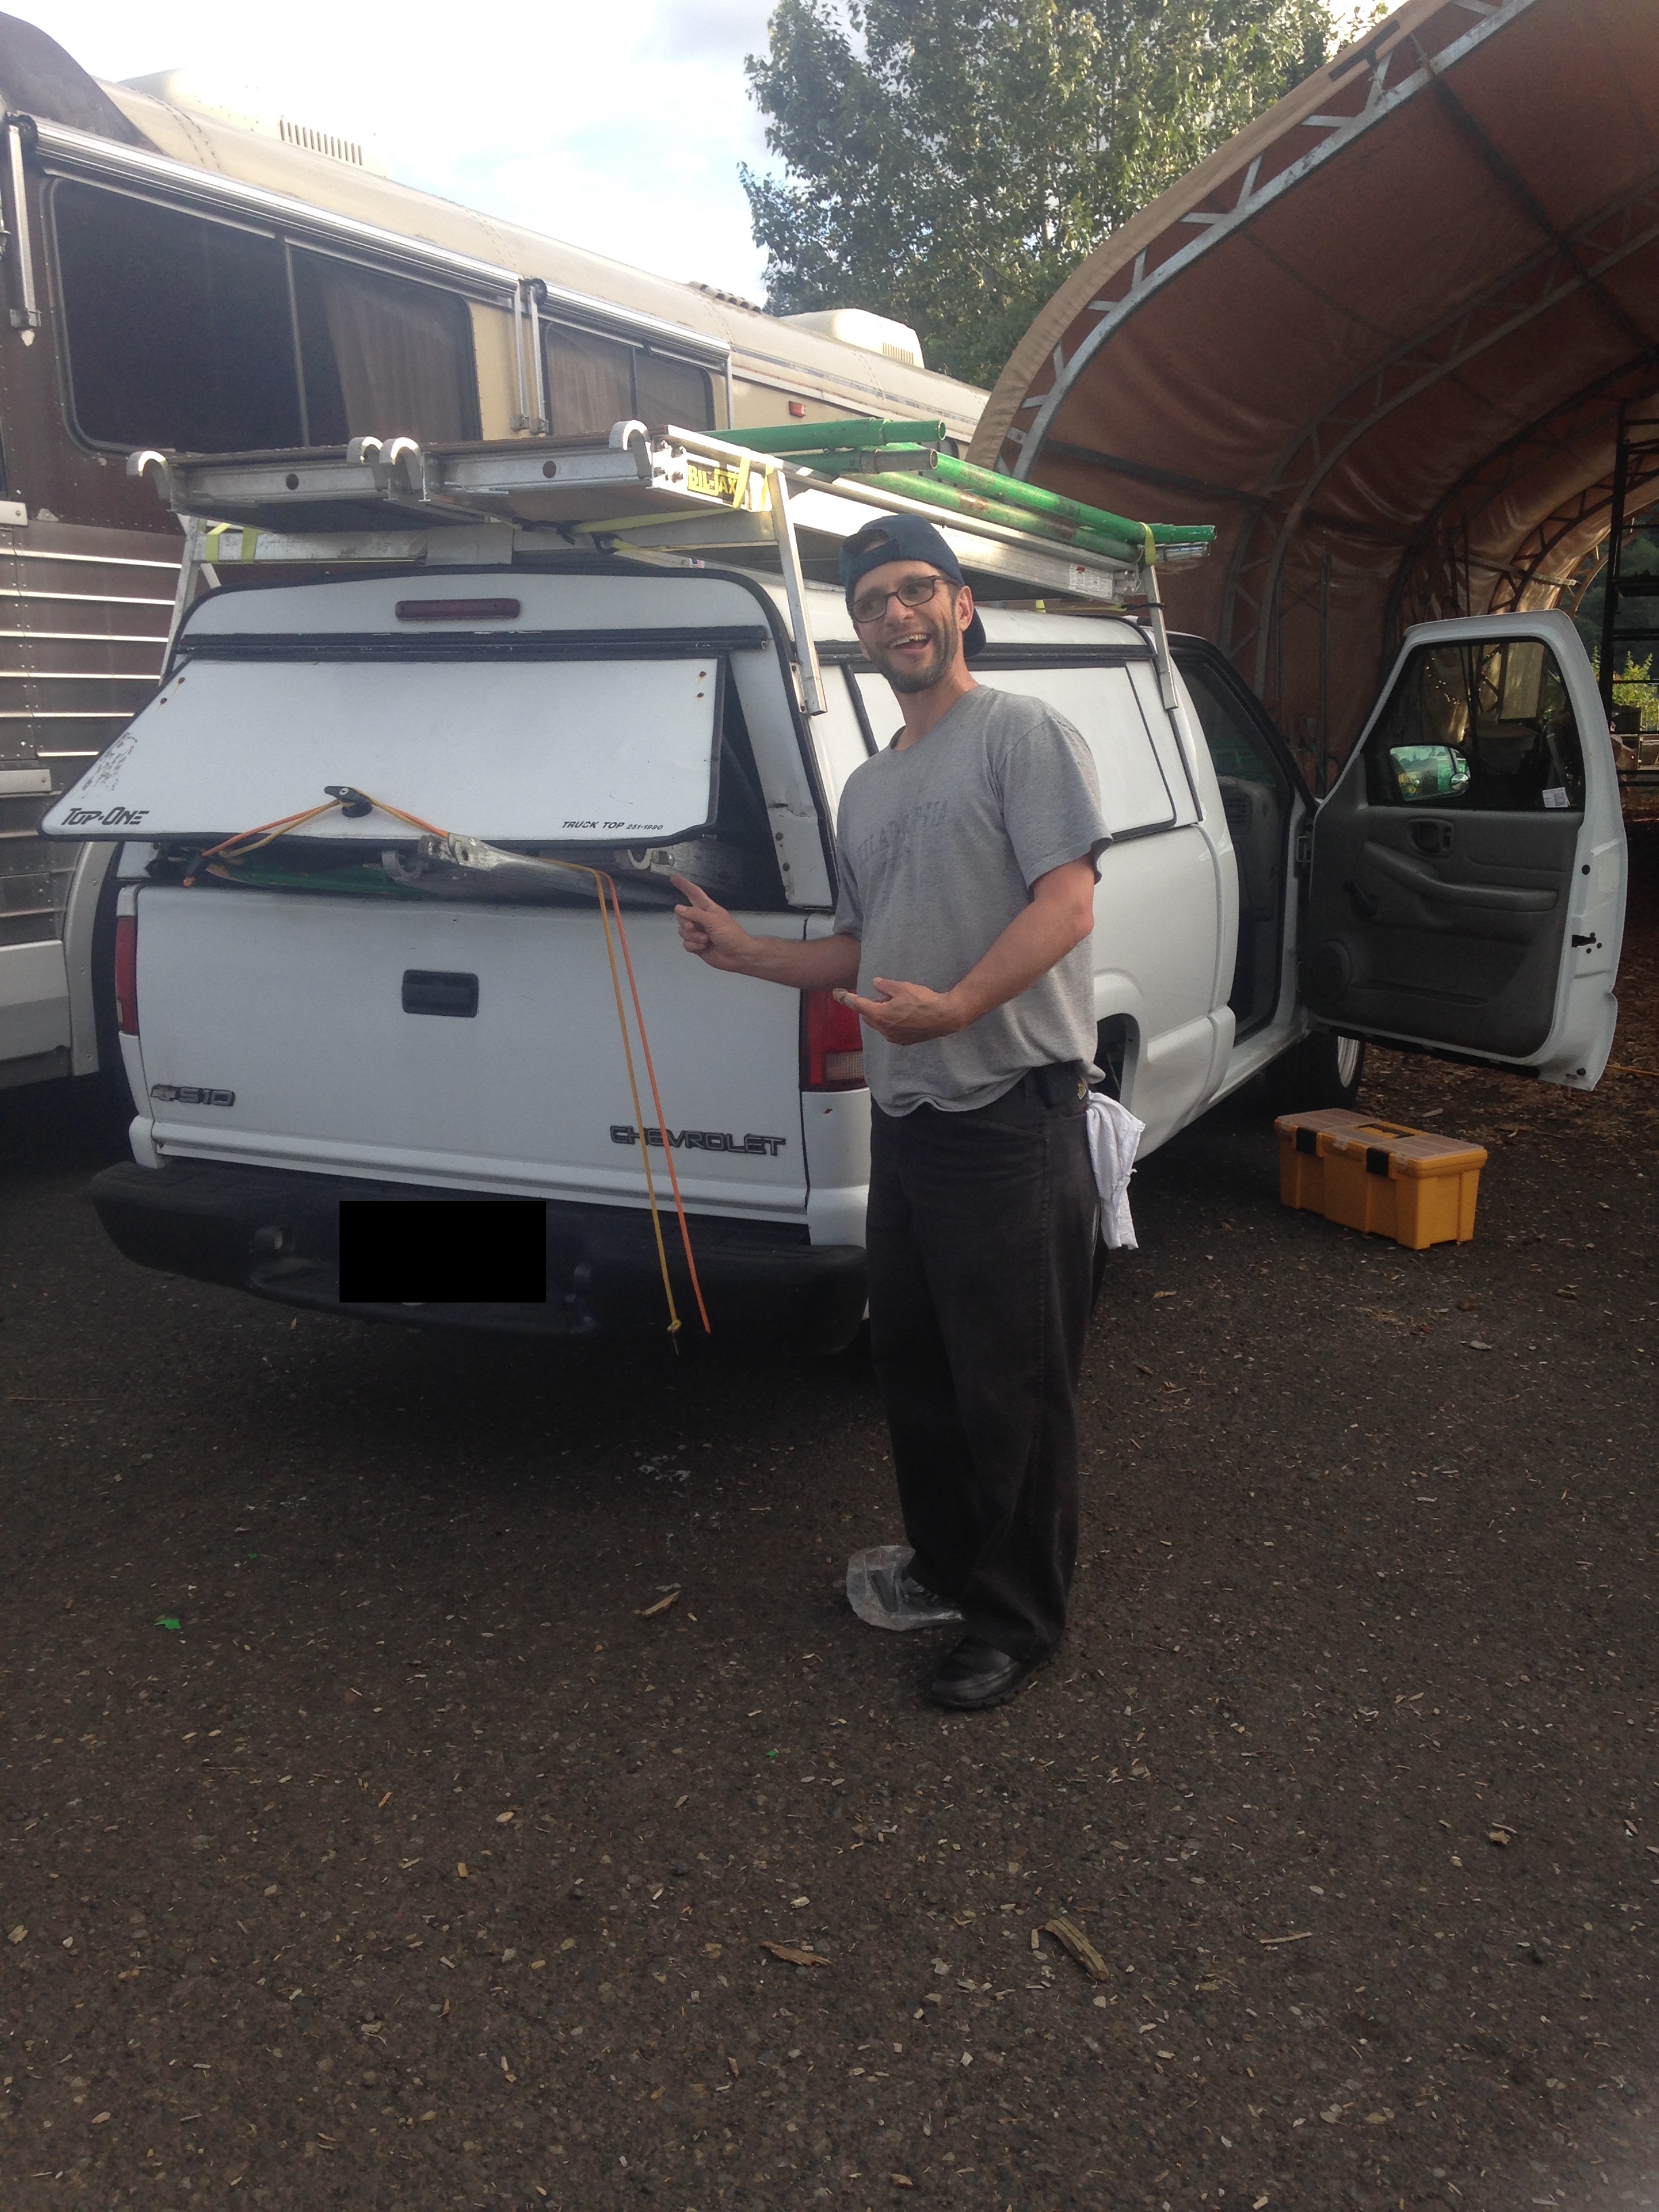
1433, 837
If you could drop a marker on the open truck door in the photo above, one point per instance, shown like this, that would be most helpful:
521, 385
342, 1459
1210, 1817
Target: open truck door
1467, 888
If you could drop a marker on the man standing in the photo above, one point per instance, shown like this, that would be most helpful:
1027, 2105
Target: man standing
967, 852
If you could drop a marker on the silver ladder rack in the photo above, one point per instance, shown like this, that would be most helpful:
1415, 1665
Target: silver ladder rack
666, 495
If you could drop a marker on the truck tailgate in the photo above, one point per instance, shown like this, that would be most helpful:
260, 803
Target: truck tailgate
476, 1046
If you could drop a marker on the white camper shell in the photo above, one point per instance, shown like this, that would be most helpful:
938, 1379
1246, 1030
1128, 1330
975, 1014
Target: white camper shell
625, 658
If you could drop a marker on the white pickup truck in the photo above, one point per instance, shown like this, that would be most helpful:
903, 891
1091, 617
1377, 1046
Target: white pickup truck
371, 1009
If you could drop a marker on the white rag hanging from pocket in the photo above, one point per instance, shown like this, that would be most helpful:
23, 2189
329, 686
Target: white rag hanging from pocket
1115, 1136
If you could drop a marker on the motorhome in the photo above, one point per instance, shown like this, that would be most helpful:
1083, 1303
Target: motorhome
180, 275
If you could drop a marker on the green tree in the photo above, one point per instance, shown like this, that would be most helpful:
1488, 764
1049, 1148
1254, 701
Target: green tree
949, 162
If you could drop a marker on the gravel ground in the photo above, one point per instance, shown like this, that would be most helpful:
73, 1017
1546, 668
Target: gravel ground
369, 1838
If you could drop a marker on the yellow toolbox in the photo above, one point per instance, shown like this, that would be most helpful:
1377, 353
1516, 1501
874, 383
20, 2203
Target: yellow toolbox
1380, 1176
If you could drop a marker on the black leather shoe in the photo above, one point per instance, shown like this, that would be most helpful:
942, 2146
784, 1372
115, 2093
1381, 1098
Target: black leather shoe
973, 1674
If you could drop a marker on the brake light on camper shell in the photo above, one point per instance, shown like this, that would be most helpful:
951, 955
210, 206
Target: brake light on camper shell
127, 974
832, 1044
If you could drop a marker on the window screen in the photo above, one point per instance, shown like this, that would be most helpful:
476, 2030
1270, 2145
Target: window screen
181, 332
1484, 726
594, 381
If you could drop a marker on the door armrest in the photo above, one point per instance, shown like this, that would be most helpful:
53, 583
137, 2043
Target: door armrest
1494, 898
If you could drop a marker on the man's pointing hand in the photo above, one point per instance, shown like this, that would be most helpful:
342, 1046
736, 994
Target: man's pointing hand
710, 931
909, 1014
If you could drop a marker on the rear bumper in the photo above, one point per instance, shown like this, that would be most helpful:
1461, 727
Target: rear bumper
276, 1234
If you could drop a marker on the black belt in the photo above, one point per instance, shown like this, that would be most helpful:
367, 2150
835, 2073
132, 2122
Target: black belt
1062, 1083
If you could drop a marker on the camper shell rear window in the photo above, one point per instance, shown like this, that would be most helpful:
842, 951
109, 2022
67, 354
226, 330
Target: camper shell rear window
622, 751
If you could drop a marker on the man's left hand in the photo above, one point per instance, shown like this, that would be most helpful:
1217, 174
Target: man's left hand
909, 1014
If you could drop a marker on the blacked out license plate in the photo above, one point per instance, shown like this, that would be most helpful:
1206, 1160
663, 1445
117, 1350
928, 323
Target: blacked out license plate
464, 1251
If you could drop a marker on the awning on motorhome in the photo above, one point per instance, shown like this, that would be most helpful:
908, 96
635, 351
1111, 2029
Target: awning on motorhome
1382, 339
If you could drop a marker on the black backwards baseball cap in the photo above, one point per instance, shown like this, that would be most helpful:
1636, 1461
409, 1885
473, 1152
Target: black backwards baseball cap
904, 537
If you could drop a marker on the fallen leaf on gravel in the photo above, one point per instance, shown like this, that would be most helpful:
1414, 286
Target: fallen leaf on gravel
502, 1818
792, 1955
460, 1869
1163, 1294
373, 2026
661, 1606
168, 1621
98, 2119
1479, 1344
901, 2181
18, 1933
1066, 1932
711, 1950
1500, 1836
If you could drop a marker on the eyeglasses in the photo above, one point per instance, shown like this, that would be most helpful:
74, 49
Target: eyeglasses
914, 592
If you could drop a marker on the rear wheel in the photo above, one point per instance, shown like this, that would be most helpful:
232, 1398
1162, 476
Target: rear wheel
1323, 1070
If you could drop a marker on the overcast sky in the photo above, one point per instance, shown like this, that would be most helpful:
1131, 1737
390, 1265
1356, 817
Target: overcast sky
619, 127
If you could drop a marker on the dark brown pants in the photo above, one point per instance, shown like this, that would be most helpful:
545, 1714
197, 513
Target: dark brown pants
981, 1243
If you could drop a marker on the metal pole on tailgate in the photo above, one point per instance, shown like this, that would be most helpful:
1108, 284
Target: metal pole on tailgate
795, 586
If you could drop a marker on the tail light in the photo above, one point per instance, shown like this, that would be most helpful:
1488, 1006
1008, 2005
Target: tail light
832, 1044
127, 974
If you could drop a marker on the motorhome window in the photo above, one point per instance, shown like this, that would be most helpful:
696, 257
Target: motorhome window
594, 381
382, 356
670, 391
179, 330
1483, 725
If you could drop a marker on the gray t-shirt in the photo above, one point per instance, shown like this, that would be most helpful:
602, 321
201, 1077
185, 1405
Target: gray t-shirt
938, 848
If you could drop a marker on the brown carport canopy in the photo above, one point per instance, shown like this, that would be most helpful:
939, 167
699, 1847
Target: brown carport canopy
1382, 339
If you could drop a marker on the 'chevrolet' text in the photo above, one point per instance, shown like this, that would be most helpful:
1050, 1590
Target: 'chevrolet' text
700, 1141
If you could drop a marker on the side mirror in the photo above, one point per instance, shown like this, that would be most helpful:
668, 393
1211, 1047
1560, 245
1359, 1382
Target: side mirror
1427, 772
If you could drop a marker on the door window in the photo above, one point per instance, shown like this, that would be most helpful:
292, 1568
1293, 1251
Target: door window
1481, 725
1255, 797
202, 337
